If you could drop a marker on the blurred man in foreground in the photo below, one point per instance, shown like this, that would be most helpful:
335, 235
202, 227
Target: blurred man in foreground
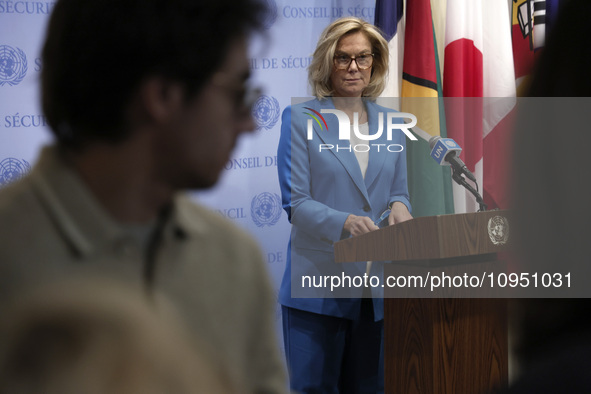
145, 99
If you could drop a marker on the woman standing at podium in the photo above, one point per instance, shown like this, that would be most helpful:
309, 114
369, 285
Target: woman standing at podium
333, 188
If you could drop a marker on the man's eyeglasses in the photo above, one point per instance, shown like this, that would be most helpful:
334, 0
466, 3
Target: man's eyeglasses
245, 95
364, 61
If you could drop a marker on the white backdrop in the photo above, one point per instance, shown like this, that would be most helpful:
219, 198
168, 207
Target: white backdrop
248, 191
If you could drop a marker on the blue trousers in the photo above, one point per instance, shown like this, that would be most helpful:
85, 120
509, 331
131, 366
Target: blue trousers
327, 354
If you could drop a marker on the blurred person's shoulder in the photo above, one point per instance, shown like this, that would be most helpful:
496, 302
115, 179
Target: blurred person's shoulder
27, 235
206, 222
33, 213
22, 216
217, 236
15, 196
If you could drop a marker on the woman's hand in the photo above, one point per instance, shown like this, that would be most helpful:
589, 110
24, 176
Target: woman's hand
398, 214
357, 225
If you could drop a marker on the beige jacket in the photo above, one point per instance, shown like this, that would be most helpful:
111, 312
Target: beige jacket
51, 226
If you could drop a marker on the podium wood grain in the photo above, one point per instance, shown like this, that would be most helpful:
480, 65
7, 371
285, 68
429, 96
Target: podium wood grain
426, 238
449, 346
439, 345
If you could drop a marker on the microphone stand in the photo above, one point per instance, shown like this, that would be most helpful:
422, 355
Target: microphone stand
460, 180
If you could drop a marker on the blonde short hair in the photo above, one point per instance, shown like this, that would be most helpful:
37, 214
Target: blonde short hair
322, 65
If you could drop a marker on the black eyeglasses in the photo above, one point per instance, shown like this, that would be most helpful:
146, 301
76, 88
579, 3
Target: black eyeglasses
245, 95
363, 61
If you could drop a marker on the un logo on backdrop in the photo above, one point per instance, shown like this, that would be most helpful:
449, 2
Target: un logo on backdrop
13, 65
265, 112
12, 169
265, 209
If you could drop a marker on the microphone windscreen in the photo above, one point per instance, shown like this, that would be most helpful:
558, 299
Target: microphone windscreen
433, 141
442, 148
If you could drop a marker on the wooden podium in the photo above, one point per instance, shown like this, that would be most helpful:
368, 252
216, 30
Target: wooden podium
454, 339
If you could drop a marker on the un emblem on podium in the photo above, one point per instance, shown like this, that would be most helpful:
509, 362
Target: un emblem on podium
498, 230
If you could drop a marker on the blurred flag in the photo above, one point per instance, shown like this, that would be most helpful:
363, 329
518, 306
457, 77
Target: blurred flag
389, 18
522, 41
531, 22
479, 64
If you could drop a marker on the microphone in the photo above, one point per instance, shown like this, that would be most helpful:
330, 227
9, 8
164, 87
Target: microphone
445, 152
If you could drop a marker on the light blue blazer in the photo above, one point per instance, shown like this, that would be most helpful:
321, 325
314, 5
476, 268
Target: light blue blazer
320, 189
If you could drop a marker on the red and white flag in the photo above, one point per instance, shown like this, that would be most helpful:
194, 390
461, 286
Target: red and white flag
478, 65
